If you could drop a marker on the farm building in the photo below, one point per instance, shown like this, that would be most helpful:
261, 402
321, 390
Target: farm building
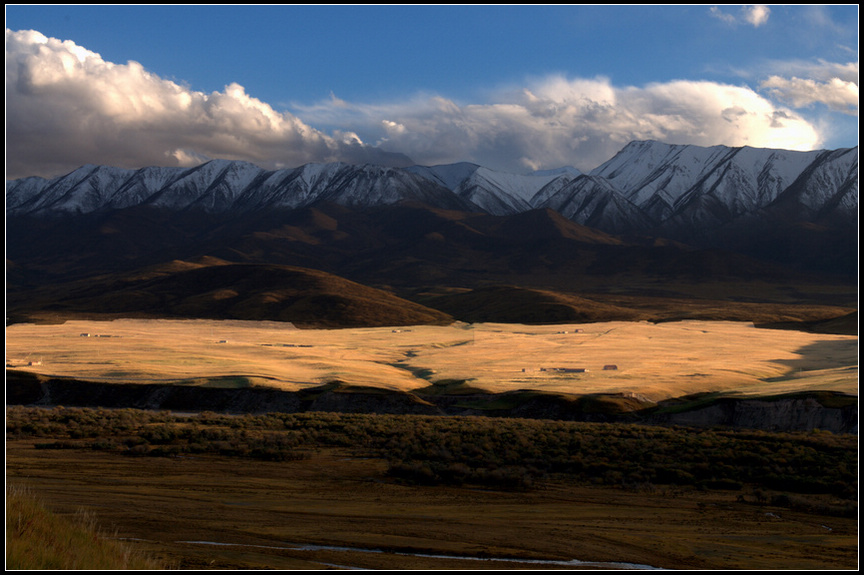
564, 369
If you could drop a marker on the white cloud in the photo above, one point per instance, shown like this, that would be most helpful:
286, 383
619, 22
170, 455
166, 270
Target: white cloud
755, 15
720, 15
580, 122
837, 94
802, 84
66, 106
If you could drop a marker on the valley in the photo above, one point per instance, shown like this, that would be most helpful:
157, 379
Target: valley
654, 365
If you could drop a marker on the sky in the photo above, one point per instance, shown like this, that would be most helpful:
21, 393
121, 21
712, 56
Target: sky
513, 88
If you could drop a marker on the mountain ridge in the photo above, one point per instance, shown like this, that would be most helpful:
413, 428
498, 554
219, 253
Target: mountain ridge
680, 192
733, 229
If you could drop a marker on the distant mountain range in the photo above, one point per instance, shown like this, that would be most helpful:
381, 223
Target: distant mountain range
679, 192
653, 216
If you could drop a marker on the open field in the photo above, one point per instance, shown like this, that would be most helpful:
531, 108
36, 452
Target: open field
656, 361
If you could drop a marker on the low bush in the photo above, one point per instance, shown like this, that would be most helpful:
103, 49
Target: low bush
505, 453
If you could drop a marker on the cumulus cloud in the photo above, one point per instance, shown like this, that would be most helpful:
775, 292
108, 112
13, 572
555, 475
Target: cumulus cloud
802, 84
837, 94
582, 122
66, 106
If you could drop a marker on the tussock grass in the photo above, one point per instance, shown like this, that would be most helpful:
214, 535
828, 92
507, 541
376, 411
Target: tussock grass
36, 538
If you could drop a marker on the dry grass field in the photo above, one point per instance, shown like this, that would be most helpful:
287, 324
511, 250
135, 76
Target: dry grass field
656, 361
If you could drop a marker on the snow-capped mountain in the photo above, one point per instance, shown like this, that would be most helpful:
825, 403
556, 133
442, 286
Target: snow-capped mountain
677, 191
497, 193
222, 186
685, 192
828, 186
374, 186
86, 189
290, 189
595, 202
447, 175
500, 193
566, 170
696, 187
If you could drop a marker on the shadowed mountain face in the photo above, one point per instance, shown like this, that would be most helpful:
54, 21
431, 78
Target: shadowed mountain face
316, 266
406, 245
506, 304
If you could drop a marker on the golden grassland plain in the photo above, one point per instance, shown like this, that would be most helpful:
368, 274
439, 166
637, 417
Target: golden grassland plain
336, 509
657, 361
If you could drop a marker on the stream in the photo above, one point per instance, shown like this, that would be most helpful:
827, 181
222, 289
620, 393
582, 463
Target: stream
572, 563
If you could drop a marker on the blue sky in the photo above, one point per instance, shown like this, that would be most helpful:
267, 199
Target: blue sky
514, 88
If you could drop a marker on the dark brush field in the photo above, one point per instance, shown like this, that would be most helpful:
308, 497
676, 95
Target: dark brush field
319, 491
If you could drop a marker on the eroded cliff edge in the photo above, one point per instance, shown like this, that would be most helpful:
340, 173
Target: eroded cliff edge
823, 410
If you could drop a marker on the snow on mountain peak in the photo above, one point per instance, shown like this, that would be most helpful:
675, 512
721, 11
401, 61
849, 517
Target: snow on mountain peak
563, 171
448, 175
649, 185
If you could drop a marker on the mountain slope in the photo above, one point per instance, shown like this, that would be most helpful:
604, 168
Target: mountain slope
216, 289
510, 304
697, 195
594, 202
501, 194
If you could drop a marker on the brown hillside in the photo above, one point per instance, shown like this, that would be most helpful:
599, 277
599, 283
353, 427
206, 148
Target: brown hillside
542, 224
507, 304
221, 290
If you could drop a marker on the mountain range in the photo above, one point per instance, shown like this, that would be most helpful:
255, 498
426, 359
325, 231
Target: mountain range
650, 218
674, 191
